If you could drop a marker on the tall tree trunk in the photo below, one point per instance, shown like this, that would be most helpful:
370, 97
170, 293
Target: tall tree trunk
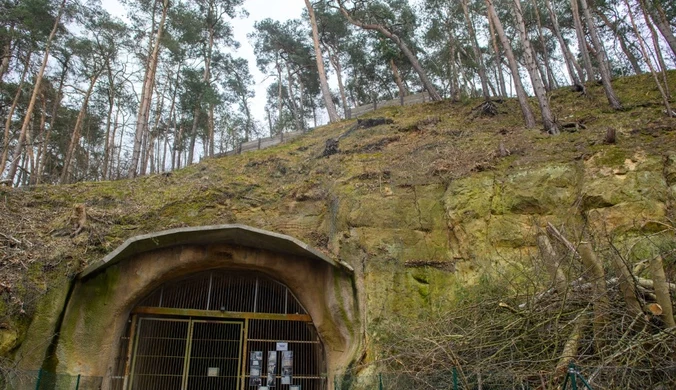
165, 147
36, 89
177, 145
455, 85
397, 79
193, 137
646, 56
119, 148
301, 105
545, 57
153, 135
434, 94
109, 174
662, 22
55, 110
279, 96
498, 59
75, 139
206, 77
292, 100
326, 93
601, 58
111, 104
10, 114
35, 160
211, 130
622, 39
656, 46
249, 120
581, 40
172, 119
29, 155
478, 57
147, 94
538, 86
6, 53
267, 113
335, 61
527, 112
571, 65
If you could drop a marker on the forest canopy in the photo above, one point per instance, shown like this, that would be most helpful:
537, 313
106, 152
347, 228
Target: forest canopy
87, 96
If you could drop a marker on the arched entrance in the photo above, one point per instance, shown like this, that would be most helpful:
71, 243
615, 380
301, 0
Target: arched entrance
173, 285
205, 331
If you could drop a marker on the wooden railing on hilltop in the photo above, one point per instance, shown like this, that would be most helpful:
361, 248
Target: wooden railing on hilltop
263, 143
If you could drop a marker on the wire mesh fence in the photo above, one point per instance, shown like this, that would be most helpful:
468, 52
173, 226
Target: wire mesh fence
443, 380
45, 380
590, 378
596, 378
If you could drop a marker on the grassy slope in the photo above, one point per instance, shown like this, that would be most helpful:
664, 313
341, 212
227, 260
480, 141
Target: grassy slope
289, 188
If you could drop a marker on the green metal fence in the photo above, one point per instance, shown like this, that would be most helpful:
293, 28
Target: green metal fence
45, 380
576, 378
452, 379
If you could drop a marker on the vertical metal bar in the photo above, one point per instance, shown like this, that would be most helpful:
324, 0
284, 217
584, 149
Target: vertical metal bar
565, 381
130, 346
211, 278
161, 295
77, 383
186, 362
255, 296
380, 381
37, 384
455, 379
133, 363
245, 338
241, 356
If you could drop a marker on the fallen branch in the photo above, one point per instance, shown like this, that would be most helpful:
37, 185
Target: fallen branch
650, 284
662, 291
643, 285
554, 232
572, 344
627, 286
10, 238
551, 260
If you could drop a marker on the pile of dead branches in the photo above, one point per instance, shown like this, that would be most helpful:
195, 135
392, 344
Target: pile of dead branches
603, 314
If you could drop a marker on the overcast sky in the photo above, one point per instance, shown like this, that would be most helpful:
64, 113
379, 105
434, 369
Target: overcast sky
258, 10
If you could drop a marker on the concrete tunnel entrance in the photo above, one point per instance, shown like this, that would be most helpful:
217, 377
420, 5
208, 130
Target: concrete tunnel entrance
204, 308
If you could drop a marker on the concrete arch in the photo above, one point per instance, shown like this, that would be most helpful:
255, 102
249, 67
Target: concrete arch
101, 299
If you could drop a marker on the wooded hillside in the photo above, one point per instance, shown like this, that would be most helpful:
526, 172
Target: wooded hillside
87, 96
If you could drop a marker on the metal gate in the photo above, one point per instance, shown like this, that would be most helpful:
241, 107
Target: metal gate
197, 334
186, 354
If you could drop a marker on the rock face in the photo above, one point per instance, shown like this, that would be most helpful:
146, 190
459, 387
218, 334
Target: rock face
418, 241
417, 214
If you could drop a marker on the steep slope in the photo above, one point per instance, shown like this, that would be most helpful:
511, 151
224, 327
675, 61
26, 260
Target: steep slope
419, 207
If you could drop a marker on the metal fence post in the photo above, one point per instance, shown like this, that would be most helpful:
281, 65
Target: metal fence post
37, 384
380, 381
77, 383
455, 379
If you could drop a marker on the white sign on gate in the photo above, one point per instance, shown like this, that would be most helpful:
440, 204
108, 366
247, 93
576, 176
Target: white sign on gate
282, 346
